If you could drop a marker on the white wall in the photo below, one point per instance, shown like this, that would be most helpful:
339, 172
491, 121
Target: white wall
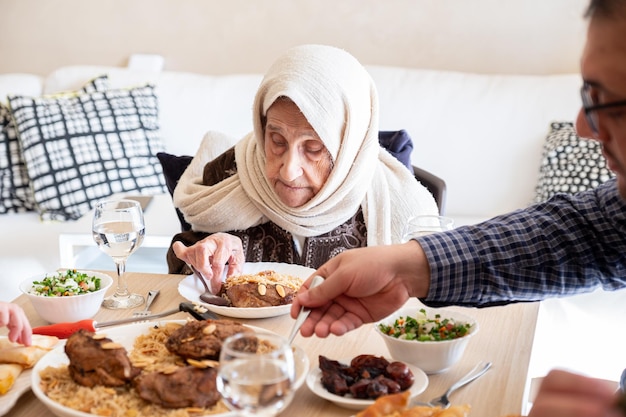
222, 36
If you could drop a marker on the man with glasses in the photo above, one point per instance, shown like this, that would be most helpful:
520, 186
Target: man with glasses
590, 106
567, 245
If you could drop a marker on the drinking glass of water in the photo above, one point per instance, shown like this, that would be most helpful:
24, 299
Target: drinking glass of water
118, 229
417, 226
256, 373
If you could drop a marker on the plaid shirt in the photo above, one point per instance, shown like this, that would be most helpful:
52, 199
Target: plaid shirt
569, 244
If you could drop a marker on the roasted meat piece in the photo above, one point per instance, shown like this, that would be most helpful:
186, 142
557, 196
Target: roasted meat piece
263, 289
203, 339
186, 387
98, 361
248, 295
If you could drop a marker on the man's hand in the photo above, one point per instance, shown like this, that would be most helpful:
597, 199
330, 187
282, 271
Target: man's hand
565, 394
362, 286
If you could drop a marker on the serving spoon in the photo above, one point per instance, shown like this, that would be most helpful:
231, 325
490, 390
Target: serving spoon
304, 311
207, 296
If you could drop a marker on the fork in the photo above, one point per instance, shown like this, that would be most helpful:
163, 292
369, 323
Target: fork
152, 294
443, 401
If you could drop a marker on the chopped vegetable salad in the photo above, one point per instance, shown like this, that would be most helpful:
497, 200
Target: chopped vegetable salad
65, 284
423, 329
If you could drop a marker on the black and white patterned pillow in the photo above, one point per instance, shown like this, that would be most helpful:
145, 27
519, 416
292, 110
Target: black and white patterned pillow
569, 163
16, 194
79, 148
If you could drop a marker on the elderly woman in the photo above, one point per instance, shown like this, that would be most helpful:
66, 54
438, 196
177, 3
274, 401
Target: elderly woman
309, 182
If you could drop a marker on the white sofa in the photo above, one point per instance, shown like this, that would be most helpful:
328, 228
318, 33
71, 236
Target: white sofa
483, 134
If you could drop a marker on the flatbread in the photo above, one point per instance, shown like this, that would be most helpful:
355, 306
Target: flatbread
40, 340
397, 405
8, 374
15, 357
27, 356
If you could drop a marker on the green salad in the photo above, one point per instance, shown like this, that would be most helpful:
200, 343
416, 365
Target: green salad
65, 284
424, 329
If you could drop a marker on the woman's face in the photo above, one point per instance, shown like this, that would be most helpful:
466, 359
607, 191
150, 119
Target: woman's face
297, 162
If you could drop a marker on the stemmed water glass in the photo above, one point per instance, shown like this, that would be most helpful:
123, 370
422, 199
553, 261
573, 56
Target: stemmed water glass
256, 373
424, 225
118, 229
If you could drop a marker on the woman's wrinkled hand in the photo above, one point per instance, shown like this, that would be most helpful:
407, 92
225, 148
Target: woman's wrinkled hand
211, 255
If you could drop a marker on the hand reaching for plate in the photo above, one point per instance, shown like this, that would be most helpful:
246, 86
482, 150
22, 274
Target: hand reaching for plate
211, 255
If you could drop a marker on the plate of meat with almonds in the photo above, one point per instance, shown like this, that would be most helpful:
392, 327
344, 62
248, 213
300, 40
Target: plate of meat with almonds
356, 383
155, 369
264, 289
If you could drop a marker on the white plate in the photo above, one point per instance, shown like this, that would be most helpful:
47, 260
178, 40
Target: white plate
126, 335
191, 288
20, 386
313, 381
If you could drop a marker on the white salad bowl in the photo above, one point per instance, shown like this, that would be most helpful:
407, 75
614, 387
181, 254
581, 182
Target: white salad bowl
430, 356
67, 308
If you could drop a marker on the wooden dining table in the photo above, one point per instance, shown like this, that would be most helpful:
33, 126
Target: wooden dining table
505, 338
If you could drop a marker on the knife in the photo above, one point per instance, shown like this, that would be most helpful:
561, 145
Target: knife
65, 330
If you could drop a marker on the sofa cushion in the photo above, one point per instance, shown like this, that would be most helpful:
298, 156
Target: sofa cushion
173, 167
189, 104
80, 147
15, 192
26, 84
399, 144
569, 163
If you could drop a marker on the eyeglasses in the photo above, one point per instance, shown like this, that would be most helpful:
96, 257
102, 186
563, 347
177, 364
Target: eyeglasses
590, 107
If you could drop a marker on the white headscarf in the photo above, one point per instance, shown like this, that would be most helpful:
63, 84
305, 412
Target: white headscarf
340, 101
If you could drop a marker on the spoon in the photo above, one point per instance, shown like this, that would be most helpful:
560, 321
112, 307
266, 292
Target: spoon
304, 312
207, 296
443, 401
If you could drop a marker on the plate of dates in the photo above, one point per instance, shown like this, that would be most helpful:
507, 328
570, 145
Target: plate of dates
356, 383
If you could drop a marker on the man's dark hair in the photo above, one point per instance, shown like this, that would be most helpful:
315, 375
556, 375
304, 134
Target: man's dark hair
606, 9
